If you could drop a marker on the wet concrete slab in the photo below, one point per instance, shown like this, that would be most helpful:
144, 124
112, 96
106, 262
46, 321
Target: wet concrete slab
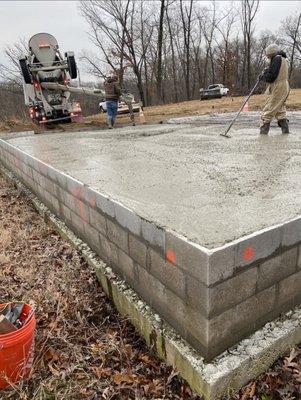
185, 177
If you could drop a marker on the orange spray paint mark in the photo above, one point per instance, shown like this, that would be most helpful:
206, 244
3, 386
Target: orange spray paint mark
82, 210
248, 253
170, 256
77, 192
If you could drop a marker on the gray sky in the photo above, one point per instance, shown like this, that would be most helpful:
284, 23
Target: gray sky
62, 19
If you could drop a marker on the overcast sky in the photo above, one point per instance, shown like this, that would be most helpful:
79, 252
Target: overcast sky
22, 19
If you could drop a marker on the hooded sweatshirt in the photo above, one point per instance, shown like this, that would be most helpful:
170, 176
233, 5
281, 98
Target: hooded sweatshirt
112, 89
270, 74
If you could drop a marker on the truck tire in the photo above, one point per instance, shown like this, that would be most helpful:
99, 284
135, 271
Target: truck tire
25, 71
72, 67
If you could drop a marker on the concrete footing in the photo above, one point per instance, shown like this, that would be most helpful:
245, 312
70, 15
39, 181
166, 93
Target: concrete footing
226, 373
203, 291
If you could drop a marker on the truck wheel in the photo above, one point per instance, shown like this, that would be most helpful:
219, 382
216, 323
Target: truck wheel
72, 67
25, 71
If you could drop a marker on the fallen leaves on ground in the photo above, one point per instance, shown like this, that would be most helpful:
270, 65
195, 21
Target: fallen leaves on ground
84, 348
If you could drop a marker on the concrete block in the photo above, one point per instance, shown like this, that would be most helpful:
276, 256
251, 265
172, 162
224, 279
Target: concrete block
148, 287
170, 306
77, 224
169, 274
32, 185
22, 156
108, 250
98, 221
289, 258
188, 256
292, 232
270, 272
61, 179
277, 268
56, 191
299, 259
126, 266
30, 161
82, 210
221, 264
52, 174
127, 218
36, 177
42, 168
258, 246
289, 288
68, 200
118, 235
55, 205
38, 190
46, 183
197, 326
61, 194
104, 204
154, 235
65, 213
197, 295
75, 187
91, 235
229, 293
240, 318
137, 250
232, 291
90, 196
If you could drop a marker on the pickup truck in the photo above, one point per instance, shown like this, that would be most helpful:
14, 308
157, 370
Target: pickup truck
215, 91
122, 107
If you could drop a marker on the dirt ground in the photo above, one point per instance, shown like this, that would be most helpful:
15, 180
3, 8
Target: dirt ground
159, 114
84, 349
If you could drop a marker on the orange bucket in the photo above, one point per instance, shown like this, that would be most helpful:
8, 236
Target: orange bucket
17, 350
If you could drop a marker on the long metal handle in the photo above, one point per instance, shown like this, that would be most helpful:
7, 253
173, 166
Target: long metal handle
239, 111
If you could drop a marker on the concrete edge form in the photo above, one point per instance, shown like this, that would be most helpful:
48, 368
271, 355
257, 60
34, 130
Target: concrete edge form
14, 135
224, 375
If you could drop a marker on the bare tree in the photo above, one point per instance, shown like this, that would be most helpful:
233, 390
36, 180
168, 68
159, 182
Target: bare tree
249, 9
291, 36
225, 29
186, 17
10, 70
160, 46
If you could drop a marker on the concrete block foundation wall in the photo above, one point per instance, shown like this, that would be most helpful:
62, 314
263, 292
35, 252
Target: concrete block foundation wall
213, 298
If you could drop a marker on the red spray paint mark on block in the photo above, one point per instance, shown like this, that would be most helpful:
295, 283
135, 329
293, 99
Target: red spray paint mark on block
248, 253
170, 256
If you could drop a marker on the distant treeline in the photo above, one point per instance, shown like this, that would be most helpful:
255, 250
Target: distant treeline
166, 50
171, 48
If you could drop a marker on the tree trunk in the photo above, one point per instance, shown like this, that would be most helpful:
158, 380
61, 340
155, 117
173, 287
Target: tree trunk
159, 55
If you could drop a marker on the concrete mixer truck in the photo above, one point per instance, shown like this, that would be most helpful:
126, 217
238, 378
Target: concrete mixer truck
46, 76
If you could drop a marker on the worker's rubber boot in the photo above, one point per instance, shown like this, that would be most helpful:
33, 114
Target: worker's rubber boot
264, 129
283, 124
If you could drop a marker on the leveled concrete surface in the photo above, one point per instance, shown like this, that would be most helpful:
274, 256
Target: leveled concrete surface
188, 178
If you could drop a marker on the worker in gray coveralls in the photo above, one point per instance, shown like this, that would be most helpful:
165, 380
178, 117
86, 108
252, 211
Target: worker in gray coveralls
276, 76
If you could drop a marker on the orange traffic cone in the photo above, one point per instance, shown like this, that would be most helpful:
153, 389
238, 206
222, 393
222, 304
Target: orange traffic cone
141, 116
246, 107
